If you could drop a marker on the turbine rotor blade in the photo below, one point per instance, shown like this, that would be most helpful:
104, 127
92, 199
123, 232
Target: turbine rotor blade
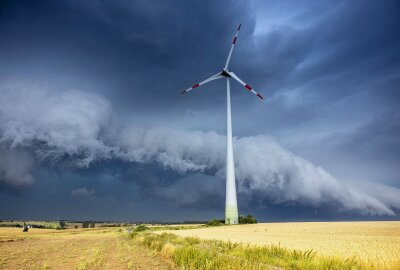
233, 45
214, 77
248, 87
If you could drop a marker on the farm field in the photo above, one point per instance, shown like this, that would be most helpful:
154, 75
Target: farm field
73, 249
375, 245
376, 242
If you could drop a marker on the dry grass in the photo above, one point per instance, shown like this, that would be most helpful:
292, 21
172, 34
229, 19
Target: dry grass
73, 249
371, 242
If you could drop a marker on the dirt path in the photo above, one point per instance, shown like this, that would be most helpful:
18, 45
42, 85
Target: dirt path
74, 249
123, 254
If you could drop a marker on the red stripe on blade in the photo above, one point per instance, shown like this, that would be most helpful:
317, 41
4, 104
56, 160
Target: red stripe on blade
248, 87
260, 96
234, 40
196, 85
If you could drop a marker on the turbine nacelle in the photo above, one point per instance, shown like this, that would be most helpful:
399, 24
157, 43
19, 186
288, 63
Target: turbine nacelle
225, 72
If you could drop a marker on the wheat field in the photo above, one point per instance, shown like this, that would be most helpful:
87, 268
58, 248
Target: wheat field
373, 242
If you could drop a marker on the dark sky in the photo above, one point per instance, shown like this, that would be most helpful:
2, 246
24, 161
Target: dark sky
91, 126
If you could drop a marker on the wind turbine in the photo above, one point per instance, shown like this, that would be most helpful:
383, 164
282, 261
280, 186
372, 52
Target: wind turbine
231, 209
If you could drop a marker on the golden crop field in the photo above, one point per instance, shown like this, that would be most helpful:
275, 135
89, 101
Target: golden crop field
73, 249
376, 245
377, 242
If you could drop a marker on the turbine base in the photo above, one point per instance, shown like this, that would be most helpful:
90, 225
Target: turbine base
231, 214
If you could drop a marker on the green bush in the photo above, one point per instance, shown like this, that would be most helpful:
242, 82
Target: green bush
141, 228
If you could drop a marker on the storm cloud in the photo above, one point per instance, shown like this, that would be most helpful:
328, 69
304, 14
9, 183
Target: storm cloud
16, 168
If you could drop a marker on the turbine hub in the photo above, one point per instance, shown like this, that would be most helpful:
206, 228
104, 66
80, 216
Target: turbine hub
225, 72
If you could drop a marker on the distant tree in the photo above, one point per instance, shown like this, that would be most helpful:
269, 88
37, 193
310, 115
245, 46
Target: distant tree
249, 219
85, 224
62, 224
92, 224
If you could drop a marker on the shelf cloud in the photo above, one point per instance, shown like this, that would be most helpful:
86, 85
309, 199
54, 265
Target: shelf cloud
79, 129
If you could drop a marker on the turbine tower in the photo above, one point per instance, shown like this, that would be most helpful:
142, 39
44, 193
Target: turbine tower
231, 209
